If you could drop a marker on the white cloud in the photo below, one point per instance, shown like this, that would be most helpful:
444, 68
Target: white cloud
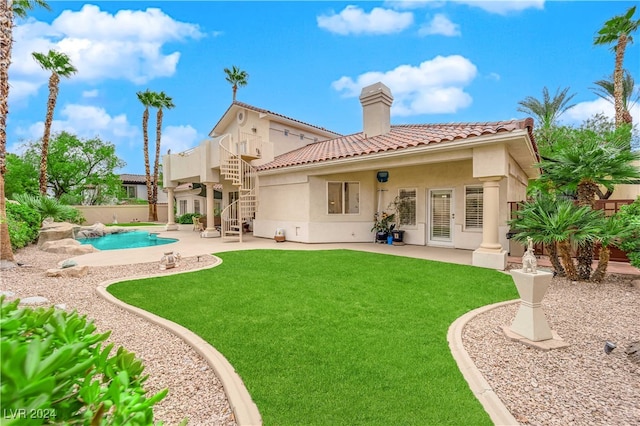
440, 25
90, 93
494, 76
584, 110
354, 20
504, 7
435, 86
179, 138
86, 122
99, 44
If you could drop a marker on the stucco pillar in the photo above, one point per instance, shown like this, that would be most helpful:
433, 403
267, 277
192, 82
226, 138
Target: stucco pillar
490, 253
210, 230
171, 217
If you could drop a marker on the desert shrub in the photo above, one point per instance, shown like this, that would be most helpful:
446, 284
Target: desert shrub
54, 370
24, 223
50, 207
630, 244
187, 218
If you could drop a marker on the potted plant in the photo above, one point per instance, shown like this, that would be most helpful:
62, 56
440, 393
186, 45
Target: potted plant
383, 226
402, 208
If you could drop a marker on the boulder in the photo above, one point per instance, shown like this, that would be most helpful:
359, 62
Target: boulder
67, 246
33, 300
56, 231
72, 272
94, 231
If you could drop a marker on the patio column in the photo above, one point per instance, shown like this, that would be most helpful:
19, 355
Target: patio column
490, 253
171, 217
210, 230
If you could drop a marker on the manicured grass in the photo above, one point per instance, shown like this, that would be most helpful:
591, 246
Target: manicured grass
334, 337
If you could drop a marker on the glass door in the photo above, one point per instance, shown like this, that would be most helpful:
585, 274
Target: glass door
441, 216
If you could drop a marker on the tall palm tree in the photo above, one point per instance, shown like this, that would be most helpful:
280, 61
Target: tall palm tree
618, 30
59, 65
161, 101
8, 9
583, 162
547, 112
147, 98
606, 90
237, 78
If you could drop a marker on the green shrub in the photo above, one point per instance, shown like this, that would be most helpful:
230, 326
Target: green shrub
630, 214
24, 223
54, 370
187, 218
50, 207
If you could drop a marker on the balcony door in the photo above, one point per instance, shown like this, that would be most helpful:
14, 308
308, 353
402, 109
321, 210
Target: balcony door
441, 217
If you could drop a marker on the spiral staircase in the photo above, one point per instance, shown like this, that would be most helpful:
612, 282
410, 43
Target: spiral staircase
234, 167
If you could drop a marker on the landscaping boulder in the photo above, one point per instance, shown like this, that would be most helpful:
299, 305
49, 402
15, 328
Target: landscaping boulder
72, 272
56, 231
94, 231
67, 246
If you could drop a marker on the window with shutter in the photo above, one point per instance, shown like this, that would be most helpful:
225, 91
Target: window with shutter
473, 207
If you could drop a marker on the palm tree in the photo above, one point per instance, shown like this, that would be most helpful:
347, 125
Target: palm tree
618, 30
148, 100
161, 101
584, 161
610, 231
8, 9
630, 96
59, 65
547, 112
237, 78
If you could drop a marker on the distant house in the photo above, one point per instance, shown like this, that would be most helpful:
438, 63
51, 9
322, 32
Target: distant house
317, 186
135, 187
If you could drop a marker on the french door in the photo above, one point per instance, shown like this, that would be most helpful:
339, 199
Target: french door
441, 217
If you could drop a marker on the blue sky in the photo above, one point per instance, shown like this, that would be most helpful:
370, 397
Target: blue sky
453, 61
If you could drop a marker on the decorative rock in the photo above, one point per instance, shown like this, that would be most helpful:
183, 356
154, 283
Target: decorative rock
34, 300
5, 264
71, 272
68, 263
7, 293
633, 352
56, 231
67, 246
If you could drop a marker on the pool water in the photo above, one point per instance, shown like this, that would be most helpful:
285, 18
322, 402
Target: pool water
125, 240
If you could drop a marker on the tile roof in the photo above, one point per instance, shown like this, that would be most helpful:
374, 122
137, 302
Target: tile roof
275, 114
129, 178
400, 137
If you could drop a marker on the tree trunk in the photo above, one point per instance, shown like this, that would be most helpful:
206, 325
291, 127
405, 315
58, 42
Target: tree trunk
156, 164
54, 81
6, 41
618, 80
555, 261
586, 194
603, 263
147, 167
569, 266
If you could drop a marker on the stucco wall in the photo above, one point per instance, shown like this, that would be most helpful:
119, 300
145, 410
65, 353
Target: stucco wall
123, 214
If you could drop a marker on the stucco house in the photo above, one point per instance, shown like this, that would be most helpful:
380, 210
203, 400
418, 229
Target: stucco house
135, 186
318, 186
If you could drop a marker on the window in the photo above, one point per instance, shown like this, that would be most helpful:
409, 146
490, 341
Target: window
196, 206
130, 191
473, 207
407, 207
343, 197
183, 206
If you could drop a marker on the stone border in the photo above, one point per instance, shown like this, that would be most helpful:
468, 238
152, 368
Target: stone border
244, 409
481, 389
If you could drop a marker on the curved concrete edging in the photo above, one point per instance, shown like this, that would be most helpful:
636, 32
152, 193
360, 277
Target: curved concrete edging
244, 409
498, 412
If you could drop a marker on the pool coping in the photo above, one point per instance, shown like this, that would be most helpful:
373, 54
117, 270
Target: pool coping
245, 411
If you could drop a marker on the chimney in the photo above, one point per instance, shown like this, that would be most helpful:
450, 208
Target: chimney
376, 101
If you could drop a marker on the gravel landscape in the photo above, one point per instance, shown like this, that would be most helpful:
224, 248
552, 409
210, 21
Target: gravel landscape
578, 385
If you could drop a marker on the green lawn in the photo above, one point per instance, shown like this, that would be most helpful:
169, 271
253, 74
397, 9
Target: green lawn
333, 337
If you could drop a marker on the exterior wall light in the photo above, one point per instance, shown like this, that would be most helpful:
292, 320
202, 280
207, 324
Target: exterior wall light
382, 176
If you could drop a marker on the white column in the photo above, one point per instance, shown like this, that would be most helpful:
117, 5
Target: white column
171, 217
210, 230
490, 253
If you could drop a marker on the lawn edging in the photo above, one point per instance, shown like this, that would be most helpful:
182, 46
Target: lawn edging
496, 409
245, 411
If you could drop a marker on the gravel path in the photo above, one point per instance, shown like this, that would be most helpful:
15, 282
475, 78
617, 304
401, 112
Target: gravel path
195, 392
578, 385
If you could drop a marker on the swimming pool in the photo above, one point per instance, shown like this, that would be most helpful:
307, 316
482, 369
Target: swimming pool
126, 240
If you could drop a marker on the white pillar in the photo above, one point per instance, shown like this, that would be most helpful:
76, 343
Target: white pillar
210, 230
490, 253
171, 217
